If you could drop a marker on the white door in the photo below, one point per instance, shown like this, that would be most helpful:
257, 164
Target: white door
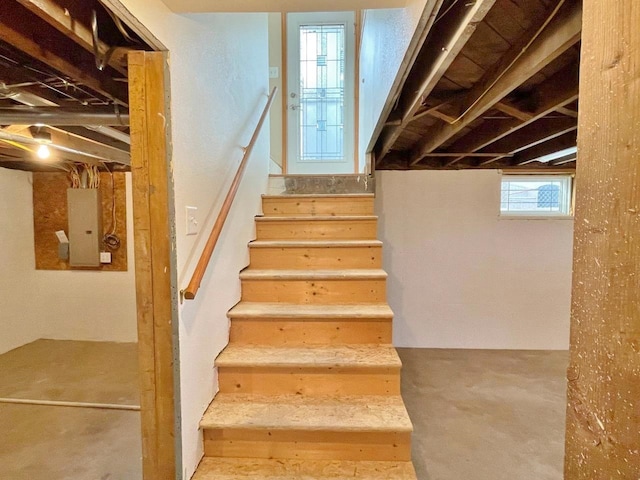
320, 94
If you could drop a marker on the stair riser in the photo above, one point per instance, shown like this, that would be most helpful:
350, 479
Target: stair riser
317, 230
337, 291
309, 381
315, 445
324, 258
283, 207
309, 332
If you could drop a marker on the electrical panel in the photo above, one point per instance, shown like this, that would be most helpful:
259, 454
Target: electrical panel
84, 207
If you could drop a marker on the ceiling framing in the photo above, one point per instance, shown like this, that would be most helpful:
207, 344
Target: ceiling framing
63, 71
494, 85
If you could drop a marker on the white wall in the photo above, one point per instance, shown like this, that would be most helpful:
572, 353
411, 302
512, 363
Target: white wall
63, 305
386, 35
460, 277
17, 260
88, 305
219, 82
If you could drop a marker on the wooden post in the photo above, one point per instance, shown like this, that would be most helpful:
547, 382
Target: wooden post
603, 415
155, 272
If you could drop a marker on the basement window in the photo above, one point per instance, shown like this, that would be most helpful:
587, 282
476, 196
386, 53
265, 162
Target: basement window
536, 196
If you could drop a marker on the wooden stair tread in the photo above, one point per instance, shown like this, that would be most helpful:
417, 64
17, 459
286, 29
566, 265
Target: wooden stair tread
367, 413
320, 243
285, 310
348, 274
316, 356
316, 218
321, 195
287, 469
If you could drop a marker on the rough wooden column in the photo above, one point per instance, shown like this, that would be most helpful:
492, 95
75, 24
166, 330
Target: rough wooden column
155, 272
603, 422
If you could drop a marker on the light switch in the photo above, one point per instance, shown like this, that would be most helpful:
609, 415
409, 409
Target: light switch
193, 226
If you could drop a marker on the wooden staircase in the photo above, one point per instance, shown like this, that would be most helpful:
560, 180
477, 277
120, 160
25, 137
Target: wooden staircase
310, 383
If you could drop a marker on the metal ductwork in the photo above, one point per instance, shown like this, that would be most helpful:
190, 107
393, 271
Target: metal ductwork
63, 116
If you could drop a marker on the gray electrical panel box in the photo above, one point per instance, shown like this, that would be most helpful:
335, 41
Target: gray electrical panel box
84, 207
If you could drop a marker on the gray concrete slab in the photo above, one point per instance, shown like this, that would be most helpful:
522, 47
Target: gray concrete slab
64, 443
486, 415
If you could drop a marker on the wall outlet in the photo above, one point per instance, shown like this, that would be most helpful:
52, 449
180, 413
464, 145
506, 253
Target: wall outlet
193, 226
274, 72
105, 257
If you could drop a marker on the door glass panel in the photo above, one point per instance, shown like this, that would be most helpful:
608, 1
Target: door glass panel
322, 65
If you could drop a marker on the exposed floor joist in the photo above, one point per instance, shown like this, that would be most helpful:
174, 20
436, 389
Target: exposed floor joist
512, 86
562, 33
456, 27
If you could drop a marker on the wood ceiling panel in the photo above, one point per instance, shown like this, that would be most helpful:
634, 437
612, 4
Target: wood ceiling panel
508, 20
464, 72
486, 46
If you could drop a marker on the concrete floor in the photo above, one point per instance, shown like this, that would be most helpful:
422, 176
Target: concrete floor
64, 443
477, 415
486, 415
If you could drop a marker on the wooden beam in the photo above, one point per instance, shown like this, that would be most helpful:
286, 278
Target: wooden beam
561, 34
567, 111
603, 414
513, 111
83, 144
44, 43
560, 89
533, 134
557, 144
467, 154
68, 23
156, 289
449, 36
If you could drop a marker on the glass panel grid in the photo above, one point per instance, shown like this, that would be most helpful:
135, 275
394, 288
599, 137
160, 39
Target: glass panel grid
534, 195
322, 64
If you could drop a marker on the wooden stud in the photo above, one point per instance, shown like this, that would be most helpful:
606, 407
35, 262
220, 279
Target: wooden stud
603, 415
155, 273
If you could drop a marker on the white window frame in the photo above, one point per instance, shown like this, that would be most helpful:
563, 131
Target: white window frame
568, 197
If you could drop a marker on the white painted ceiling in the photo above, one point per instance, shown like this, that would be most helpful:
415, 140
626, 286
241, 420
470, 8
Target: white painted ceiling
202, 6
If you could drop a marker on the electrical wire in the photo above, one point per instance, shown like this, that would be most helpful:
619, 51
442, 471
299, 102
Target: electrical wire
110, 239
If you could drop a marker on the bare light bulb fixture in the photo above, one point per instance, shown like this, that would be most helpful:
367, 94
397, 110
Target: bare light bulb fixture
43, 152
44, 138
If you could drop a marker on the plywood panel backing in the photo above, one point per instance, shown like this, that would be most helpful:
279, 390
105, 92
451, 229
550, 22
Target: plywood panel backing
50, 215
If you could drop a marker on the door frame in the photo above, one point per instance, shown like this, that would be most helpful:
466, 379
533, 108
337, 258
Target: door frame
355, 31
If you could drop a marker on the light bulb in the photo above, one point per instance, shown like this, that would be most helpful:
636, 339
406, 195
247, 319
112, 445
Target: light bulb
43, 152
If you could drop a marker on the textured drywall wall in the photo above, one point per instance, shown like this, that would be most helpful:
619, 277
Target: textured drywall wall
386, 35
460, 276
17, 260
219, 84
56, 304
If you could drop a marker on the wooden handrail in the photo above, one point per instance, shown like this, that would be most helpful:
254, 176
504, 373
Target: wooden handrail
192, 289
